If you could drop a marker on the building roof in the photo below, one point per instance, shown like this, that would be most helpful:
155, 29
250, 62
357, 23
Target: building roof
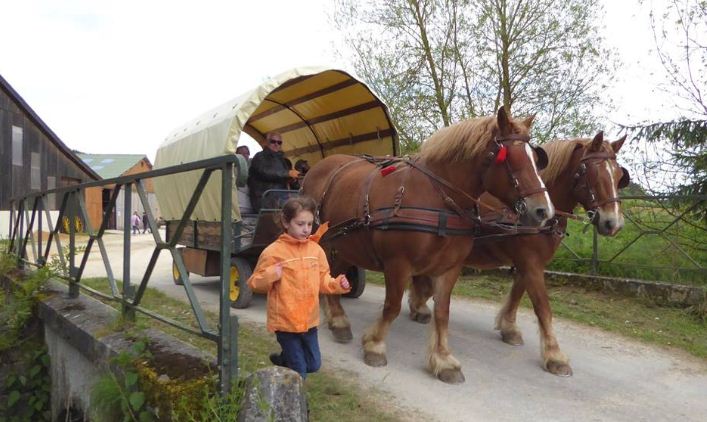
109, 166
5, 86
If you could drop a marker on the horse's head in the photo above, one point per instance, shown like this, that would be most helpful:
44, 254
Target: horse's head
596, 183
512, 171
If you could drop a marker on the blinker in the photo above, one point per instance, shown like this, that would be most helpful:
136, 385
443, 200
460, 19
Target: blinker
502, 154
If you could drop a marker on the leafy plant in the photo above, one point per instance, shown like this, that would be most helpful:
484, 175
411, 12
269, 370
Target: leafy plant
28, 390
117, 396
61, 268
18, 306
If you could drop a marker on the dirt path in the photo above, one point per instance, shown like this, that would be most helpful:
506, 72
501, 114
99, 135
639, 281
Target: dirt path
614, 378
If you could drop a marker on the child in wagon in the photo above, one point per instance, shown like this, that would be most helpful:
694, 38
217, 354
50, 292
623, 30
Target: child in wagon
293, 271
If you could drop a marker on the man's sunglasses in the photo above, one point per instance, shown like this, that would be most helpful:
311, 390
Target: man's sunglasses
272, 141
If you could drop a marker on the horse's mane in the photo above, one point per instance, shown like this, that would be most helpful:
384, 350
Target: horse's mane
461, 141
559, 153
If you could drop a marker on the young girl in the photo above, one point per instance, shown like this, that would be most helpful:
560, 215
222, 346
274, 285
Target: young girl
293, 271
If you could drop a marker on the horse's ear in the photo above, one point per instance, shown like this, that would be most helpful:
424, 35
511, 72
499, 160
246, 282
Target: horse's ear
616, 145
597, 141
528, 121
504, 124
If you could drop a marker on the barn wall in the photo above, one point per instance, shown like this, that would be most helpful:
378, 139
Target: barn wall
45, 162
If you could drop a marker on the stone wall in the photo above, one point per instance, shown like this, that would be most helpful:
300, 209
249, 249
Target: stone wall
81, 346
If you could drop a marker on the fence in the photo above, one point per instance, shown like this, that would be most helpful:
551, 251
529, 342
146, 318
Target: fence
664, 238
24, 221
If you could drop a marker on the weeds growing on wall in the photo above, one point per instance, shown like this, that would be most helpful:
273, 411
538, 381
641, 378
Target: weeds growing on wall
24, 376
25, 394
117, 395
61, 268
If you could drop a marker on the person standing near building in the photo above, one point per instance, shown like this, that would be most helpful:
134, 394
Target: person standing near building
135, 222
145, 224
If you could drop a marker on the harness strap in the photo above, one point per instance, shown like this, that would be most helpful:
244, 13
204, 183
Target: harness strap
331, 180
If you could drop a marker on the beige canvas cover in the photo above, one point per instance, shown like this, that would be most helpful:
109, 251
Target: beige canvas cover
318, 111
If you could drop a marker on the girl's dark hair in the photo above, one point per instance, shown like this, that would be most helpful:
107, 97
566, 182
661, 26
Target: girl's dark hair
297, 204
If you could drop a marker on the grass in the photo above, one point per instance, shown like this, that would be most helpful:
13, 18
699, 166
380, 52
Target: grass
651, 257
638, 319
330, 395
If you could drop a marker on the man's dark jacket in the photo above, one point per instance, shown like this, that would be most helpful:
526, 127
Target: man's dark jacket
268, 170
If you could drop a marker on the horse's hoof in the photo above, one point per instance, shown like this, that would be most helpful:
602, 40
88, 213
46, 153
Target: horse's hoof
342, 334
374, 359
559, 368
514, 338
420, 317
451, 376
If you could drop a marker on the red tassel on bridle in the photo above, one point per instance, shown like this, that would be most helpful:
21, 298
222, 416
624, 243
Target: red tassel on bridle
387, 170
502, 154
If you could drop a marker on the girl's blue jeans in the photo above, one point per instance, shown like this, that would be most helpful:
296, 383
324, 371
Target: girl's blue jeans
300, 351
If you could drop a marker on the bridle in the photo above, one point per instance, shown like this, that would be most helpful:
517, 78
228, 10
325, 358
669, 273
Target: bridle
511, 141
585, 178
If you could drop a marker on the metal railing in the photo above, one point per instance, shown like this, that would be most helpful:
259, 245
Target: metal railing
24, 221
683, 237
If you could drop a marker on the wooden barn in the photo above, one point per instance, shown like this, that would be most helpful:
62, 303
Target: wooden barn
33, 158
109, 166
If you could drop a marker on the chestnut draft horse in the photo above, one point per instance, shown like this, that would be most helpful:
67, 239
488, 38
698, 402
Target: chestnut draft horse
580, 171
413, 216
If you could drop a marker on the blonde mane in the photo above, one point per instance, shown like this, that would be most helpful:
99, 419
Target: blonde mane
459, 142
559, 154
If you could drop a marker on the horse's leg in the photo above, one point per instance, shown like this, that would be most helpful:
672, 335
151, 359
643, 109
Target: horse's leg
336, 317
441, 361
397, 275
553, 359
506, 318
420, 290
337, 320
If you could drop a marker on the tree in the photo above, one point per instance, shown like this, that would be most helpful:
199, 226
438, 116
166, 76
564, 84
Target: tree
680, 34
435, 62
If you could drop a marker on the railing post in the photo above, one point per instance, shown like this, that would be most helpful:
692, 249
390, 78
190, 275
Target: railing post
73, 285
595, 251
128, 312
20, 239
10, 227
40, 208
228, 326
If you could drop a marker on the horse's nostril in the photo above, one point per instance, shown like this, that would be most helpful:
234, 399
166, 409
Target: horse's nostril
609, 224
541, 213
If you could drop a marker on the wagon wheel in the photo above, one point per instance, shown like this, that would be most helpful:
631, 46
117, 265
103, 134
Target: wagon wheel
241, 294
357, 279
175, 274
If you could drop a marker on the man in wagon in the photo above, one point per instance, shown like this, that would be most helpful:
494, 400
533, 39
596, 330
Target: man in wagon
268, 170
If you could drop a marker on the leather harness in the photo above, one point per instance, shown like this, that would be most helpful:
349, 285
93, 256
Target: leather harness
454, 220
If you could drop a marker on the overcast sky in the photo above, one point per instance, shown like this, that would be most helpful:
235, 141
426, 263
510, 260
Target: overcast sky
117, 77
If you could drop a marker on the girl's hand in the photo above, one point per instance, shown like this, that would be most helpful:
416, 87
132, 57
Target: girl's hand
278, 270
345, 283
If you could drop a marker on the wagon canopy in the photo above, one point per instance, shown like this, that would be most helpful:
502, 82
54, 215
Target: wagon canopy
318, 111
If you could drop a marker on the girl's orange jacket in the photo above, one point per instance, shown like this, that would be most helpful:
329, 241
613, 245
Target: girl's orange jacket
293, 300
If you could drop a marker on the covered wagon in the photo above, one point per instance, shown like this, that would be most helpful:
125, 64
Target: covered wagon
318, 112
